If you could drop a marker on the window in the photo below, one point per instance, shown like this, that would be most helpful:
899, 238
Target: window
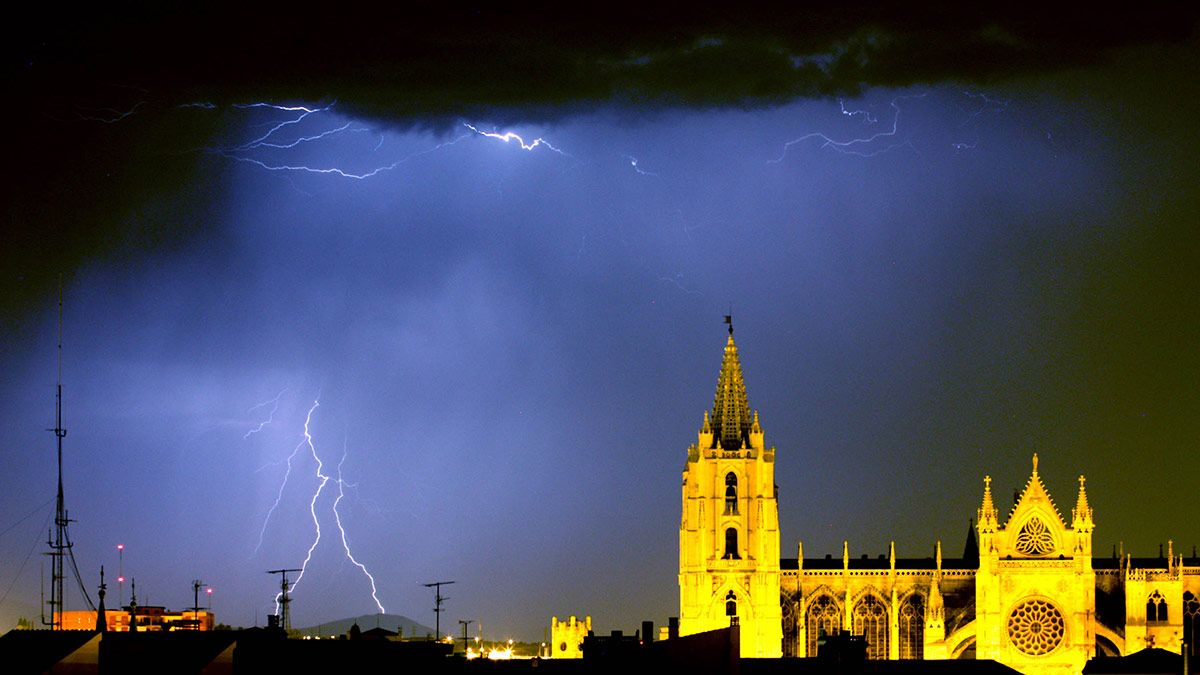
912, 628
1034, 539
1191, 621
1036, 627
824, 618
730, 604
870, 621
1156, 608
730, 493
731, 545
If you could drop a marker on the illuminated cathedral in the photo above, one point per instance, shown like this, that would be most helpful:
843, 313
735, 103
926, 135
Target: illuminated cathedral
1027, 590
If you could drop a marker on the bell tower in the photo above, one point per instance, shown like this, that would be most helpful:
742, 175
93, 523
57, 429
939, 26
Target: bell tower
729, 531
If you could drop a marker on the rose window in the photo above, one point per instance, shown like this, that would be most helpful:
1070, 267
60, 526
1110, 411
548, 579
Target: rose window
1034, 538
1036, 627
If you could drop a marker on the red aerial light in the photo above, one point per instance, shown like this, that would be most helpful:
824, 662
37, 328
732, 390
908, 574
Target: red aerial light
120, 547
209, 591
120, 580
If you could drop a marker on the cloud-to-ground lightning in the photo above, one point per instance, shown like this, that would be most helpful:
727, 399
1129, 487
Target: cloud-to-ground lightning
863, 146
346, 545
322, 480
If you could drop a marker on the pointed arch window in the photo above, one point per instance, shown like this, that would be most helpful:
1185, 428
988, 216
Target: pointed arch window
731, 544
1156, 608
730, 604
871, 622
912, 628
824, 617
790, 610
1191, 622
731, 500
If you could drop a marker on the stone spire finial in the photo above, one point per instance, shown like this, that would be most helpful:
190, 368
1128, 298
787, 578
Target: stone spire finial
988, 516
1035, 462
731, 418
1081, 515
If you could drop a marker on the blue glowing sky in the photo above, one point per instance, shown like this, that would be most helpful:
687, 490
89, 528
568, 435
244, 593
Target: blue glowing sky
512, 348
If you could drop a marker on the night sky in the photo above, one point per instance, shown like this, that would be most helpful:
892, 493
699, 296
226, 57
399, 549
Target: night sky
950, 238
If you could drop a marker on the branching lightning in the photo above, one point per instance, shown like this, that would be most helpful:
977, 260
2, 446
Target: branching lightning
322, 480
270, 417
985, 105
268, 140
297, 114
864, 146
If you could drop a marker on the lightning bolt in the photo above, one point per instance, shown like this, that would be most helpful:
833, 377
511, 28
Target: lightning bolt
985, 105
864, 146
346, 546
108, 115
322, 480
867, 116
298, 114
270, 417
312, 505
633, 161
511, 136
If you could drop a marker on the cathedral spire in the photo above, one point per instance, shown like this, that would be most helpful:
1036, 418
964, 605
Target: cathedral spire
731, 418
1081, 515
988, 516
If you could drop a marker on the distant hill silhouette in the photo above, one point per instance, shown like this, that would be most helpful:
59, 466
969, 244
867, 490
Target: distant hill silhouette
367, 622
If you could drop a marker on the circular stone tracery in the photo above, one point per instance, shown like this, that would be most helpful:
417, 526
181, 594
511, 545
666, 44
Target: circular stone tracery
1036, 627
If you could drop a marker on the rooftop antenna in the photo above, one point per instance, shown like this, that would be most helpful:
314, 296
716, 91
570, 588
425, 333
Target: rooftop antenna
466, 639
438, 599
60, 541
284, 586
196, 584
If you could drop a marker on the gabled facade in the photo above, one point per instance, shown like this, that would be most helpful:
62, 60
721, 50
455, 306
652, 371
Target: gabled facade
1035, 590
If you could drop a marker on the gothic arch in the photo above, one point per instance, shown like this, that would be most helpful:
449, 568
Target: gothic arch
822, 616
869, 589
910, 623
789, 604
716, 608
871, 616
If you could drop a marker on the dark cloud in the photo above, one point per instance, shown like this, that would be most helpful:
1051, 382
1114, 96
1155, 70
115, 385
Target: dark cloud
443, 59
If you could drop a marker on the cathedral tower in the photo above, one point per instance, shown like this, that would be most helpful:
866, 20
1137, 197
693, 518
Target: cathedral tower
729, 532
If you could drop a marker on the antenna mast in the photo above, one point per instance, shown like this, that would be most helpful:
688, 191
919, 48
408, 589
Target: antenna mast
61, 543
438, 599
282, 598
